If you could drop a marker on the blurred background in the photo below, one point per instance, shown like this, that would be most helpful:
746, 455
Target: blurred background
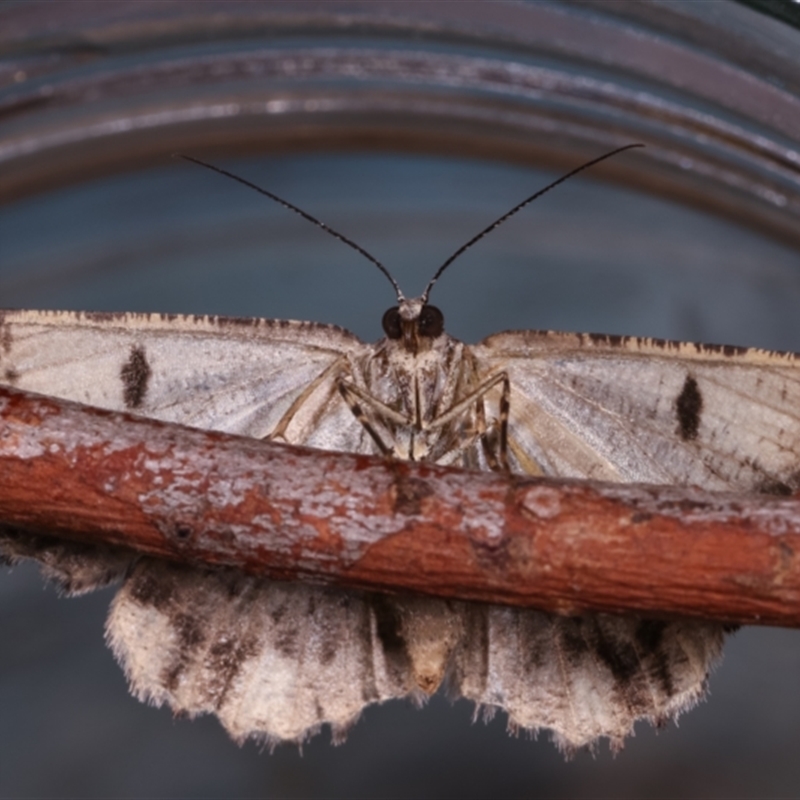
408, 127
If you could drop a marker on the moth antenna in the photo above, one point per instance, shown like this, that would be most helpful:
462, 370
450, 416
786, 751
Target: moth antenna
305, 215
519, 207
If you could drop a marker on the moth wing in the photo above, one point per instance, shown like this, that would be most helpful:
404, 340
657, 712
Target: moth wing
623, 410
274, 661
244, 376
644, 410
582, 677
74, 567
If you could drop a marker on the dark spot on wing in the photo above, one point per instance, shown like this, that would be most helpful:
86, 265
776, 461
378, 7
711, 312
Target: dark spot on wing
634, 659
390, 633
189, 631
190, 637
236, 583
688, 406
573, 642
170, 676
135, 374
6, 339
619, 656
662, 669
389, 624
409, 494
286, 641
148, 590
775, 487
649, 634
224, 662
329, 646
11, 376
278, 613
780, 488
649, 639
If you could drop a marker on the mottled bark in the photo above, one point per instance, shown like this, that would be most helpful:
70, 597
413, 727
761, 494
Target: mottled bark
292, 513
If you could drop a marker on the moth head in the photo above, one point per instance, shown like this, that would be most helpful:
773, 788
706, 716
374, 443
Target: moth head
414, 323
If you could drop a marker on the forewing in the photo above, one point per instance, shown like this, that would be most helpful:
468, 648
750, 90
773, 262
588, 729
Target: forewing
242, 376
625, 409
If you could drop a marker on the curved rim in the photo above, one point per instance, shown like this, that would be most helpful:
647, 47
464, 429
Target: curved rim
541, 83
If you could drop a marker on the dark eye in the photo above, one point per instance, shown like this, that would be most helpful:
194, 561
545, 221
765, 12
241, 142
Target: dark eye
431, 322
391, 323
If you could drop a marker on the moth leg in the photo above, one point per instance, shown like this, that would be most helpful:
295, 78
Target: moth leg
352, 394
505, 406
279, 431
348, 388
480, 434
477, 396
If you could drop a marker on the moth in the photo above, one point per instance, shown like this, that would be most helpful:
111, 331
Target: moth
277, 661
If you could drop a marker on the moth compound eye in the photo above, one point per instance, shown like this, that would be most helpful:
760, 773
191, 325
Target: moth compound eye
391, 323
431, 322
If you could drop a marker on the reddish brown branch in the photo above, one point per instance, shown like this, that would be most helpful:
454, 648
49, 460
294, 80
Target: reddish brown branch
285, 512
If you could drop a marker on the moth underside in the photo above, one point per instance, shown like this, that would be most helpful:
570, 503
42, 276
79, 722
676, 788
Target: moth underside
278, 661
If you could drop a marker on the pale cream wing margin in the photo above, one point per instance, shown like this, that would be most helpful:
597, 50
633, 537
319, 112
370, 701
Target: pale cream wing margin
652, 411
243, 376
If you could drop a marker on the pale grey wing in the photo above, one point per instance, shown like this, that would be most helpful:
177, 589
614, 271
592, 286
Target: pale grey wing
624, 409
274, 661
582, 677
245, 376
